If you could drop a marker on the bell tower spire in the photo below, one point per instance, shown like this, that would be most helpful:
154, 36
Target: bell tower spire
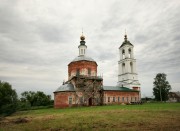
125, 36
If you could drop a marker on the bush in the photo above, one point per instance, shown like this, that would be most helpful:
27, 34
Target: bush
8, 99
7, 109
23, 106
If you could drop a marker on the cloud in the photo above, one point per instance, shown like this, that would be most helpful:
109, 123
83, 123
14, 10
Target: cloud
39, 38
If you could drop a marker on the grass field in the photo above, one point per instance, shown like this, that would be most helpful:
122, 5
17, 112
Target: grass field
149, 116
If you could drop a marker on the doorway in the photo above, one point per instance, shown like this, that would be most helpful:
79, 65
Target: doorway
90, 101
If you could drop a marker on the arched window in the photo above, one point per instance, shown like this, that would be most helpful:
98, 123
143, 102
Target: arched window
123, 53
77, 72
131, 67
123, 68
89, 71
129, 53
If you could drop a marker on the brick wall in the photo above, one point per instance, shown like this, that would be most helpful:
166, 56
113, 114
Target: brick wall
61, 99
118, 97
83, 67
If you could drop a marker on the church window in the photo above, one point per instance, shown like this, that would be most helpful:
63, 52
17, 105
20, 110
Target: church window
114, 99
70, 100
81, 51
108, 99
105, 99
127, 99
118, 99
123, 99
78, 72
89, 71
84, 51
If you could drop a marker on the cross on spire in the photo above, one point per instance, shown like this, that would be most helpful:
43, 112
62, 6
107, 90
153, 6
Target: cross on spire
125, 36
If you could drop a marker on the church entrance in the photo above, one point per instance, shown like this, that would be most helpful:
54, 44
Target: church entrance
90, 101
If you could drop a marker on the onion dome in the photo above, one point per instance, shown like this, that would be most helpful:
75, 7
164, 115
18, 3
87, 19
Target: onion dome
82, 37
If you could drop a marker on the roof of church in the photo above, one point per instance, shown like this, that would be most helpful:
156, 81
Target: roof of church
83, 57
65, 87
126, 42
118, 88
70, 87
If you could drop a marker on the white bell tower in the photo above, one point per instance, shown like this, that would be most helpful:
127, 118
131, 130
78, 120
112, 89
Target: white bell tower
127, 73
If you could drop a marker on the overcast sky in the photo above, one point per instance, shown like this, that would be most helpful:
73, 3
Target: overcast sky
39, 38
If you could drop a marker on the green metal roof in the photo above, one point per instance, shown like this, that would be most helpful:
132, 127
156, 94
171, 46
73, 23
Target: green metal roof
118, 88
82, 42
126, 43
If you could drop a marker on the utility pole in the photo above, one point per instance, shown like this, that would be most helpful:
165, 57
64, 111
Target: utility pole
160, 93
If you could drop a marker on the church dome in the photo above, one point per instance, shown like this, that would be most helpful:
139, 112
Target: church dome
83, 57
65, 87
82, 65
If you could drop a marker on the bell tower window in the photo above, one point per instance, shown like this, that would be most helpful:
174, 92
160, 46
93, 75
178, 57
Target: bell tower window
123, 53
131, 67
123, 68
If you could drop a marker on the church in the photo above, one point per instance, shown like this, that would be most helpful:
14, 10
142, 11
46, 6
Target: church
85, 88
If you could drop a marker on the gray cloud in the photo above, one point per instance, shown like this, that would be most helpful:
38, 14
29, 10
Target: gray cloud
39, 39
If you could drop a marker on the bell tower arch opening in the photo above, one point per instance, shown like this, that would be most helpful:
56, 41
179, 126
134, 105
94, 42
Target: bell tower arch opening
129, 53
123, 54
123, 68
131, 67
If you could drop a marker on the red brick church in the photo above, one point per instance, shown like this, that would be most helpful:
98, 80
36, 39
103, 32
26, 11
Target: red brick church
85, 88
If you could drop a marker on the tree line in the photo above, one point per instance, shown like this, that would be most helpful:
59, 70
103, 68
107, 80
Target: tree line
9, 101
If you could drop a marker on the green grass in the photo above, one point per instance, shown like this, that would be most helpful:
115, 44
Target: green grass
149, 116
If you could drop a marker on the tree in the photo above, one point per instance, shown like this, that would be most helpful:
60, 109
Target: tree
28, 97
161, 87
36, 98
8, 99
